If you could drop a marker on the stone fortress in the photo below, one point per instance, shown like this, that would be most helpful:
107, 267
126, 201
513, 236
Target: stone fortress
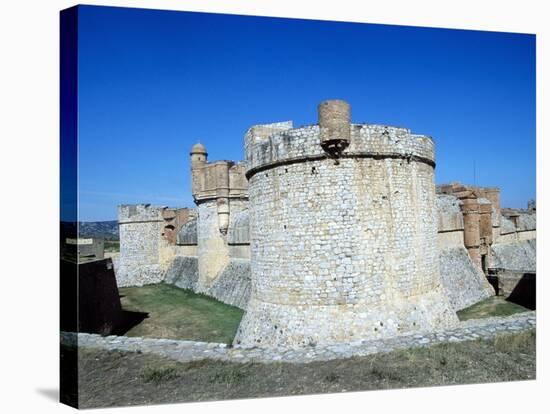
327, 234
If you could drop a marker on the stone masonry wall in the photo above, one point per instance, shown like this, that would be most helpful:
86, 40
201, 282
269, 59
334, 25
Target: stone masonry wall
295, 143
213, 250
213, 254
519, 255
232, 286
342, 251
465, 283
140, 227
450, 225
148, 242
183, 273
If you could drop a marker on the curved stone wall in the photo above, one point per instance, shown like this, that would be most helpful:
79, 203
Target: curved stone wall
187, 236
239, 233
342, 251
304, 144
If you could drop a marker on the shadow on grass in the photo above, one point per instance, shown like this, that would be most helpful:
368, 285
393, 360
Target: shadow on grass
128, 321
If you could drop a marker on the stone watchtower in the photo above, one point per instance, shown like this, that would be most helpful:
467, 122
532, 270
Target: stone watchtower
220, 191
343, 233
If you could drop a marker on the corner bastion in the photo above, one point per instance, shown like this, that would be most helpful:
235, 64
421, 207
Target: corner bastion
148, 236
343, 236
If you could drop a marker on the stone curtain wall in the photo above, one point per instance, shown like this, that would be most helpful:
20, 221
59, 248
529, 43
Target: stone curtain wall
450, 222
342, 251
140, 227
526, 229
213, 250
520, 255
232, 286
213, 254
516, 248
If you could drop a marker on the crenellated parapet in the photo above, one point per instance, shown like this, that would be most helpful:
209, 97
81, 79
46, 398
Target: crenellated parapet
137, 213
287, 145
218, 181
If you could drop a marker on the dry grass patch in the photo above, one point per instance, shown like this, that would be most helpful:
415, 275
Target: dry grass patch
115, 378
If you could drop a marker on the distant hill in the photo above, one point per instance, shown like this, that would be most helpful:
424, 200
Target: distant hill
106, 229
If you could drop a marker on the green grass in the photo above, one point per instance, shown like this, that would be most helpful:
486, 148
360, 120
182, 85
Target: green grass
493, 306
114, 378
180, 314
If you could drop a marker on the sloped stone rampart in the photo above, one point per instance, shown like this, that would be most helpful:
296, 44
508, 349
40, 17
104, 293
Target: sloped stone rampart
464, 283
519, 255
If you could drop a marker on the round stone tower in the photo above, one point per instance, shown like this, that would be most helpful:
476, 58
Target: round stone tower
341, 251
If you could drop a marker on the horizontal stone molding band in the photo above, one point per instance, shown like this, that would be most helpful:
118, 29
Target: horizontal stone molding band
350, 155
457, 230
140, 221
215, 197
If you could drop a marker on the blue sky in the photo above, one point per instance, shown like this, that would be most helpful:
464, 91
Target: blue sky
153, 83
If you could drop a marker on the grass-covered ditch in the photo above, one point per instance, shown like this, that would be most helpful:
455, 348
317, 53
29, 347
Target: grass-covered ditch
490, 307
175, 313
112, 378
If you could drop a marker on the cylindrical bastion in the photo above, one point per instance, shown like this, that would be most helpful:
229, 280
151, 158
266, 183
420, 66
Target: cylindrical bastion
341, 251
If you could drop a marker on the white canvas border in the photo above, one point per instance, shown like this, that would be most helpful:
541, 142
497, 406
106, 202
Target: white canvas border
29, 167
